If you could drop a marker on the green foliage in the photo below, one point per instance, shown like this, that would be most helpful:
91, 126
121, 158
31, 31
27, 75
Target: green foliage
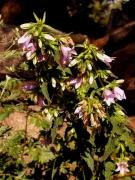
109, 169
39, 121
4, 114
41, 154
89, 160
101, 11
70, 127
109, 149
44, 90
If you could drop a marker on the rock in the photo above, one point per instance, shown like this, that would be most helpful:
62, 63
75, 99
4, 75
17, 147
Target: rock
18, 121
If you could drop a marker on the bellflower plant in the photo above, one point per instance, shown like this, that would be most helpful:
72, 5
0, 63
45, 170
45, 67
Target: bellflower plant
73, 126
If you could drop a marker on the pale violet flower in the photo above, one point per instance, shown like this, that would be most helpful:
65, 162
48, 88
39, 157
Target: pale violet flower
30, 85
30, 50
106, 59
67, 54
28, 47
24, 39
40, 100
122, 167
77, 82
108, 97
42, 58
79, 111
119, 93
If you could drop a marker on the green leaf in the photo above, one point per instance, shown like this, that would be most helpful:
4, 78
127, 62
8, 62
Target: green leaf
14, 144
52, 30
92, 140
35, 16
9, 178
39, 121
44, 17
54, 170
45, 156
44, 90
41, 154
133, 169
3, 129
117, 129
94, 85
4, 115
68, 71
89, 160
57, 58
109, 169
109, 149
128, 140
57, 122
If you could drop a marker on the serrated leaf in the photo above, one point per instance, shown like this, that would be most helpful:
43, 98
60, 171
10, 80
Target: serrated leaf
129, 142
57, 122
45, 156
109, 169
44, 90
109, 148
42, 155
92, 140
39, 121
89, 160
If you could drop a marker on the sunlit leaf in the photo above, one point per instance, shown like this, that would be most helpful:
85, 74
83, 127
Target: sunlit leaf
4, 115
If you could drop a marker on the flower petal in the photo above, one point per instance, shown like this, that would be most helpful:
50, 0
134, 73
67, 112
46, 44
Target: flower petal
24, 38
